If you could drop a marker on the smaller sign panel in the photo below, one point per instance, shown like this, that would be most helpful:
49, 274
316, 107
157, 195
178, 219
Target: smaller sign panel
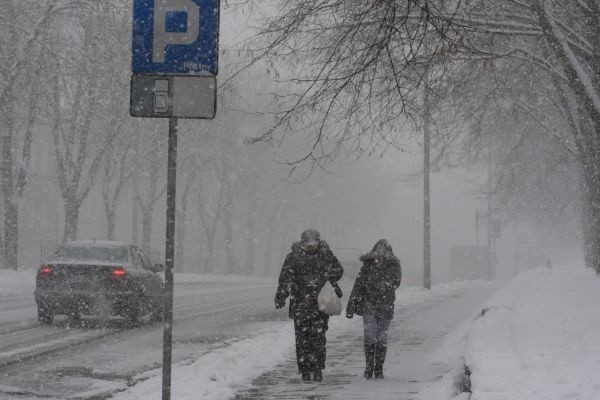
163, 96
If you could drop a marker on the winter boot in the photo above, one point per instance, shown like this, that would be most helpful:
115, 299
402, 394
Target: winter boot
318, 375
370, 360
379, 360
305, 376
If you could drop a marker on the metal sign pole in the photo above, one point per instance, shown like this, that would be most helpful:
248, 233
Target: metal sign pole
175, 65
169, 258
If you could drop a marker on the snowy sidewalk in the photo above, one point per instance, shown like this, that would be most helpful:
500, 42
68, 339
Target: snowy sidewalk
263, 366
417, 335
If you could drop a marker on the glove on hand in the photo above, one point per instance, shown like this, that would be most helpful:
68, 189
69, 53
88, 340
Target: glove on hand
337, 289
279, 302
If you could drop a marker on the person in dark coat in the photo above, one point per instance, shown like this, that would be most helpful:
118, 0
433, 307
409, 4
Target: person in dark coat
305, 271
373, 296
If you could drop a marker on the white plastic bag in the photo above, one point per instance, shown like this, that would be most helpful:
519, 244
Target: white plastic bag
329, 303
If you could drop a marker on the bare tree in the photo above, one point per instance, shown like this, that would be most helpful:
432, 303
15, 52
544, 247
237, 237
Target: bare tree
543, 57
212, 207
150, 184
80, 136
182, 214
191, 168
120, 164
24, 29
252, 215
122, 156
354, 69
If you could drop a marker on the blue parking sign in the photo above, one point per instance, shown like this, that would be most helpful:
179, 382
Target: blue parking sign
175, 37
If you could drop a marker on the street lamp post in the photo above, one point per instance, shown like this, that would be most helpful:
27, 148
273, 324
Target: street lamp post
426, 185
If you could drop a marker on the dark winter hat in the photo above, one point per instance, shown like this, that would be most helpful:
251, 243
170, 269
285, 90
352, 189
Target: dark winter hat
310, 236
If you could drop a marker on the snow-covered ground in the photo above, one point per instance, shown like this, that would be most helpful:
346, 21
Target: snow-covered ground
536, 338
210, 312
219, 374
15, 283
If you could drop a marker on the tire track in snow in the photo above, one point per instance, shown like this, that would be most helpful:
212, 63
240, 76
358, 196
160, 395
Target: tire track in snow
27, 343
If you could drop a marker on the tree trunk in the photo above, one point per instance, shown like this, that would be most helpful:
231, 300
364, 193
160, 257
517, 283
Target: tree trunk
229, 253
146, 231
147, 203
11, 234
134, 217
72, 207
250, 242
180, 235
11, 210
426, 178
591, 220
269, 246
7, 164
210, 249
110, 224
2, 263
587, 231
181, 221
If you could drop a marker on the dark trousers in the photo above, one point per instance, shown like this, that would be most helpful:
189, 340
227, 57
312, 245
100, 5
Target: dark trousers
310, 342
376, 328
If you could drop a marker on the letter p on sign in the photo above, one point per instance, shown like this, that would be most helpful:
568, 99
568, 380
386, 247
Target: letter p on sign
177, 36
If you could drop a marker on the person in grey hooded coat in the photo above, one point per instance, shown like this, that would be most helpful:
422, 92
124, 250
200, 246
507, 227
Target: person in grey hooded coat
373, 296
306, 269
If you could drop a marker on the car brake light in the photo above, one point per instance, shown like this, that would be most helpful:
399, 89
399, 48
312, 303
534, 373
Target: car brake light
46, 270
119, 272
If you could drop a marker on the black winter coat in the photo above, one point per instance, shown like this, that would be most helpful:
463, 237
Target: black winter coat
303, 275
375, 286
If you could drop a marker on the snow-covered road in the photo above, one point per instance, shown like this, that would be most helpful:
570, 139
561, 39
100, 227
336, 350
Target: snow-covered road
229, 342
83, 362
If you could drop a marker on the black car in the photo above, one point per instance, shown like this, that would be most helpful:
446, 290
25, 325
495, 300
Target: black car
99, 278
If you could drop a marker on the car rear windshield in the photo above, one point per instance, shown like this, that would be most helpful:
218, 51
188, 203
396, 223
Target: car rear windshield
91, 253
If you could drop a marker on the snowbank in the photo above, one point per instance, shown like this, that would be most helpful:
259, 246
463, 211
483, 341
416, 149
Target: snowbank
538, 338
415, 295
217, 374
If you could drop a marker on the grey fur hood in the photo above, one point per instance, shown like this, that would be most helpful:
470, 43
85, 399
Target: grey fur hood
383, 250
297, 247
